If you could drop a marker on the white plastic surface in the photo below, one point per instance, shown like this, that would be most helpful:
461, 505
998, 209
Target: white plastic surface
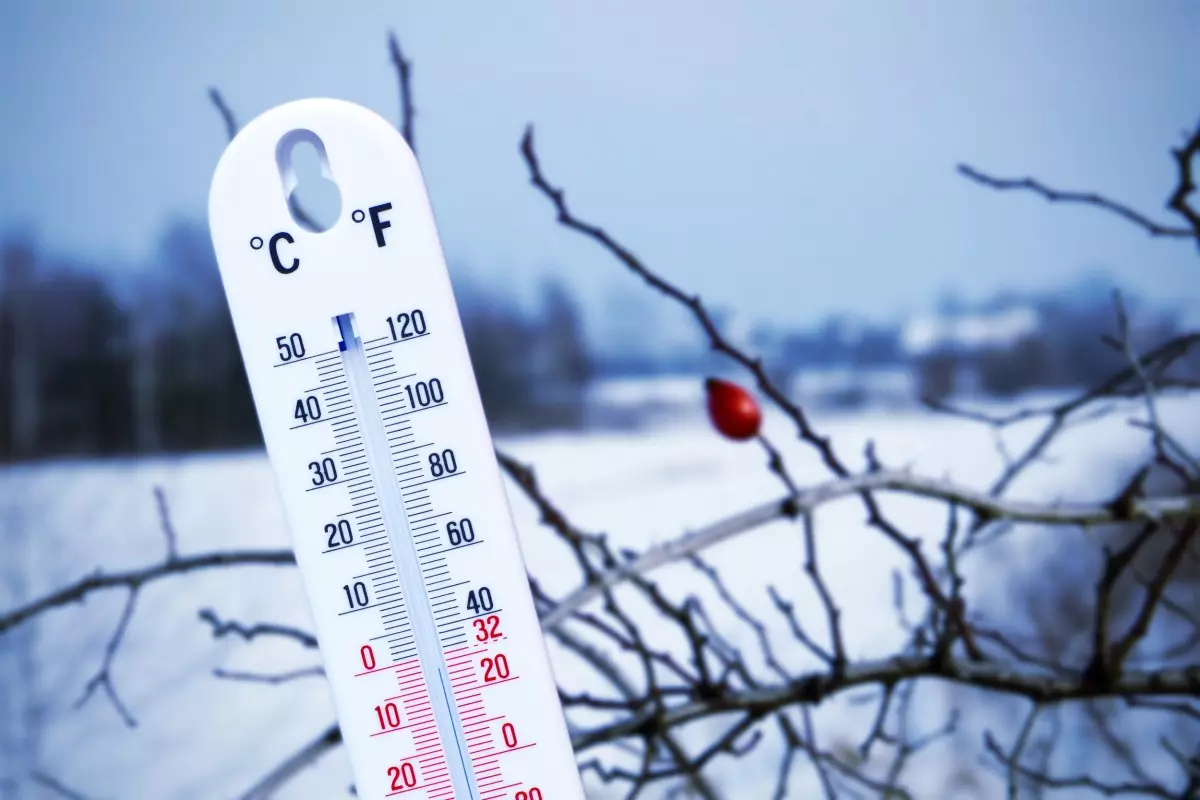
349, 338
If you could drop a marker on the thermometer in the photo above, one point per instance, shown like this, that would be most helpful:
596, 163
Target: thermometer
393, 496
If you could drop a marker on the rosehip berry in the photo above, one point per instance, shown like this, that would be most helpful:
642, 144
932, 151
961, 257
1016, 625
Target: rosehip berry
732, 409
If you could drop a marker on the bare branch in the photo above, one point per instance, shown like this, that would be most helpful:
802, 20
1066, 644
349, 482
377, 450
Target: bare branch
810, 744
832, 613
1121, 384
808, 500
605, 667
57, 786
165, 524
330, 738
1084, 198
249, 633
1186, 185
134, 579
1084, 781
218, 101
103, 678
1013, 759
273, 679
1164, 444
231, 129
813, 688
403, 77
1141, 624
911, 546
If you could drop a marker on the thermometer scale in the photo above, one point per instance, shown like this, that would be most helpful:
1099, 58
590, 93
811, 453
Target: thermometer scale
375, 431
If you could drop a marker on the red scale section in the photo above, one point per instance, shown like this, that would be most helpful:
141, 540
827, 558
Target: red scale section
485, 745
418, 719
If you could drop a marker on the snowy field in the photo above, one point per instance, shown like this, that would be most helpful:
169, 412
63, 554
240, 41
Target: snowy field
200, 737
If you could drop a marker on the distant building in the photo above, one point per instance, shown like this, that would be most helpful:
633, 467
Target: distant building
968, 332
973, 353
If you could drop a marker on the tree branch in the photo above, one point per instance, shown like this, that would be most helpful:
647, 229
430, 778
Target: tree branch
808, 500
136, 578
813, 688
218, 101
911, 546
250, 632
330, 738
1081, 198
272, 679
404, 77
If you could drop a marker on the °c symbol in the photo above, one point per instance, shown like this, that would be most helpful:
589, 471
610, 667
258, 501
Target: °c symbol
256, 243
357, 215
275, 259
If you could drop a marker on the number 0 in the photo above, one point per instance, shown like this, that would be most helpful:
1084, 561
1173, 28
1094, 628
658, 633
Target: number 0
509, 734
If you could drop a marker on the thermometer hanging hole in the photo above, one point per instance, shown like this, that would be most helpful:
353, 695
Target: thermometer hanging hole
309, 187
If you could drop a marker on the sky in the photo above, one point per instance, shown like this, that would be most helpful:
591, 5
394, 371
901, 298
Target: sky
785, 160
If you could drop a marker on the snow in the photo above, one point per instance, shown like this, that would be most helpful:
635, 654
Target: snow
200, 737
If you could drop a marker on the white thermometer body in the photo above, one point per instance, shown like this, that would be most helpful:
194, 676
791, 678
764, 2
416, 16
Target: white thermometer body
377, 437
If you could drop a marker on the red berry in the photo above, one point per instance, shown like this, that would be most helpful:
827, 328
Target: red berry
732, 409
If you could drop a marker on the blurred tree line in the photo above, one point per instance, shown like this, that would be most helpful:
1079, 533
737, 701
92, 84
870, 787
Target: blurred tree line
100, 362
1073, 346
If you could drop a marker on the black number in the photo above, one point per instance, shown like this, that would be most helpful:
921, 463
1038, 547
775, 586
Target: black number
460, 532
308, 408
479, 600
324, 471
442, 463
356, 595
340, 533
424, 393
406, 326
290, 347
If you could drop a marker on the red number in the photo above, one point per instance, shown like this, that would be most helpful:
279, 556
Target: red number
534, 793
403, 776
389, 716
509, 733
495, 669
487, 628
368, 657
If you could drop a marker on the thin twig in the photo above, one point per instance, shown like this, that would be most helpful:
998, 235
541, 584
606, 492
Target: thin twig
404, 77
813, 688
250, 632
1083, 198
136, 578
103, 677
218, 101
57, 786
307, 755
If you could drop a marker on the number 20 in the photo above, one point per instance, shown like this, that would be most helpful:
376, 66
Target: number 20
403, 776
